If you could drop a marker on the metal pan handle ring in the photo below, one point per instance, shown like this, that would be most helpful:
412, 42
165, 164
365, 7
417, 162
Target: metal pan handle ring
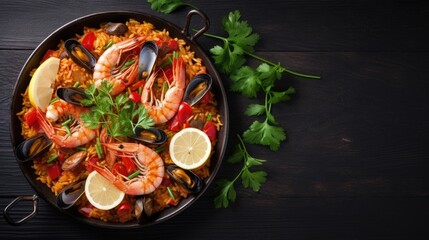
10, 220
188, 22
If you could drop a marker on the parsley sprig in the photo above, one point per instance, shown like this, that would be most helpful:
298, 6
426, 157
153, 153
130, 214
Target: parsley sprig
119, 115
249, 179
167, 6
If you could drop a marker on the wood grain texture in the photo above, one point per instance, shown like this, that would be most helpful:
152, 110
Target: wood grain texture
357, 156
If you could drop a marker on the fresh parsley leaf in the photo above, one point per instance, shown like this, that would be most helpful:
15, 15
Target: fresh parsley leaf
268, 74
277, 97
237, 156
253, 179
119, 115
265, 134
227, 193
246, 81
255, 110
227, 60
239, 32
166, 6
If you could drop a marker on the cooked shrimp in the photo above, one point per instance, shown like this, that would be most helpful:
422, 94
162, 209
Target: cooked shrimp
147, 161
79, 134
164, 109
110, 66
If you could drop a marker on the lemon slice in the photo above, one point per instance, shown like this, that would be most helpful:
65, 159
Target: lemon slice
190, 148
101, 193
41, 84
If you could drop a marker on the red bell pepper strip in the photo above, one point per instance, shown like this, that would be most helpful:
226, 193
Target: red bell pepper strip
129, 165
48, 54
88, 41
123, 209
184, 112
172, 45
210, 129
92, 161
119, 168
135, 97
31, 117
54, 171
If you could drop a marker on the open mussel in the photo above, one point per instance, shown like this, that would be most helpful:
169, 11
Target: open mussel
186, 178
153, 136
72, 95
80, 55
74, 160
197, 88
147, 58
143, 208
70, 195
33, 147
116, 28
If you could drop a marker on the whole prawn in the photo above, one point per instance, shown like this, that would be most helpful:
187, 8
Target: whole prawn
110, 66
79, 133
162, 110
149, 163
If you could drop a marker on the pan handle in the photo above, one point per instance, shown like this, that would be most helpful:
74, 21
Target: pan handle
6, 210
206, 26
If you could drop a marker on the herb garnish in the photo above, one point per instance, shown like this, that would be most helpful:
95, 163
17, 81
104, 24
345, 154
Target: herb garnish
167, 6
119, 115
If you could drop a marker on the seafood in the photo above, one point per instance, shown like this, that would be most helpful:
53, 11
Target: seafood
162, 110
71, 194
79, 54
118, 65
153, 136
185, 178
197, 88
149, 163
147, 58
72, 95
61, 110
33, 147
74, 160
116, 28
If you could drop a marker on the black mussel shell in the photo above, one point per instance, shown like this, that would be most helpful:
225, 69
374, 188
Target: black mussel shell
69, 195
143, 208
72, 95
197, 88
80, 55
152, 136
147, 57
33, 147
116, 28
186, 178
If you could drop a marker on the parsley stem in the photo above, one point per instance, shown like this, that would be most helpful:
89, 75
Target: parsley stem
281, 68
214, 36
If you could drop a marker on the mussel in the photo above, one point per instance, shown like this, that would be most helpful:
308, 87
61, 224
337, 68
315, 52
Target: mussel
74, 160
186, 178
80, 55
116, 28
197, 88
33, 147
153, 136
143, 208
69, 195
147, 58
72, 95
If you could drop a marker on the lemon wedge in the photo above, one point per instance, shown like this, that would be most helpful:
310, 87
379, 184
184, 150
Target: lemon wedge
190, 148
101, 193
41, 84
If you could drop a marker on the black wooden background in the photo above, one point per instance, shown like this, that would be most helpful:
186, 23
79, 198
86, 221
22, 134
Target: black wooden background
356, 162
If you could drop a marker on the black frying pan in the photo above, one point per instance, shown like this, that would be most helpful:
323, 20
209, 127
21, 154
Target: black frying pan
68, 31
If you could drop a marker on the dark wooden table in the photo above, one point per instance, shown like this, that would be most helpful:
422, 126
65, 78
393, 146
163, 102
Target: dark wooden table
356, 162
